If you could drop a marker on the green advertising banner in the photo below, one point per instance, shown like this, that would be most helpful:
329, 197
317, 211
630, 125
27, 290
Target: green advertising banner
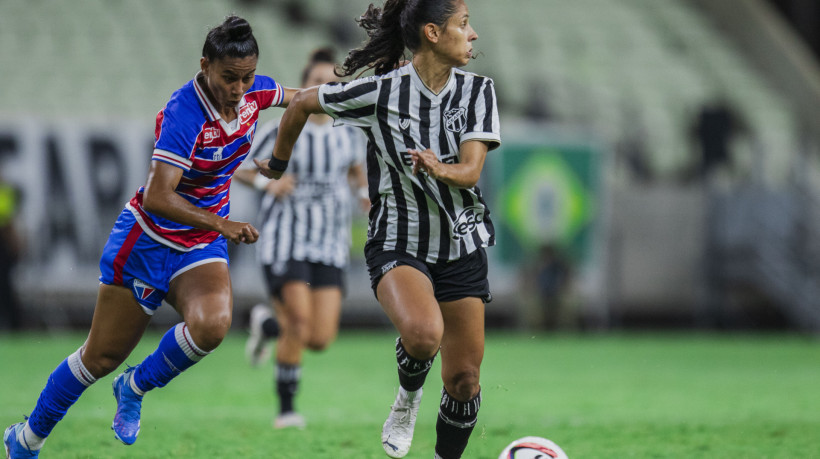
545, 195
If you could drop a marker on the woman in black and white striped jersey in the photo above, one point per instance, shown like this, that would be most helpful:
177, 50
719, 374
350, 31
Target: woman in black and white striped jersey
304, 239
429, 126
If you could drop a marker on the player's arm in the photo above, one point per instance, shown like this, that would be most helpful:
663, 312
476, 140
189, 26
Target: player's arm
358, 180
160, 198
287, 96
464, 174
304, 103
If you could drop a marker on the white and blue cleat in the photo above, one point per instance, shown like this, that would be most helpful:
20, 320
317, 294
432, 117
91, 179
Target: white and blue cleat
126, 424
15, 449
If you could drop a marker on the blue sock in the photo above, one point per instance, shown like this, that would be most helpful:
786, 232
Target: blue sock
175, 354
65, 385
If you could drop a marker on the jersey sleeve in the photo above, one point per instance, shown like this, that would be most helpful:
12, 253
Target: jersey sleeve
483, 121
267, 92
175, 138
263, 143
352, 103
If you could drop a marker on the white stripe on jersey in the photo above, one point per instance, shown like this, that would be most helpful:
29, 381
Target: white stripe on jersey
313, 223
417, 215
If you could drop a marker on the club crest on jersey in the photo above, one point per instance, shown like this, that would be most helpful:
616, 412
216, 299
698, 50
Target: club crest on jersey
404, 123
210, 134
455, 119
218, 154
142, 290
467, 221
247, 111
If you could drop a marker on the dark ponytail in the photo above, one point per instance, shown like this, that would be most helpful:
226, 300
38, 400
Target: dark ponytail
391, 28
233, 38
320, 56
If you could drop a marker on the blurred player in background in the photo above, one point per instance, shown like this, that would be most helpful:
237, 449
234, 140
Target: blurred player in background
170, 242
305, 239
429, 127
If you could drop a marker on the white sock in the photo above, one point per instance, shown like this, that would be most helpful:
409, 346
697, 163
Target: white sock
409, 395
29, 439
133, 385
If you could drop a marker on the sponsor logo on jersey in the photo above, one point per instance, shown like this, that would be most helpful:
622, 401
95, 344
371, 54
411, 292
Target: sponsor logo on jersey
455, 119
467, 221
143, 290
211, 134
404, 123
247, 111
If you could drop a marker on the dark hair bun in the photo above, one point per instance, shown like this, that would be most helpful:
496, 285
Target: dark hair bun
237, 28
323, 55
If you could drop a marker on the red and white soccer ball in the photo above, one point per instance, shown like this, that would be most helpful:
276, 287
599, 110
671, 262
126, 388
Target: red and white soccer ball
533, 448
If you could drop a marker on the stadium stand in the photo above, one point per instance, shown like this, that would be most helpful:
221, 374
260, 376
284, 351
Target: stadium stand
634, 72
610, 65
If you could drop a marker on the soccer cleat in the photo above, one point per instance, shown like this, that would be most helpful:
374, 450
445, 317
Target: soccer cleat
397, 432
288, 420
258, 347
126, 425
11, 441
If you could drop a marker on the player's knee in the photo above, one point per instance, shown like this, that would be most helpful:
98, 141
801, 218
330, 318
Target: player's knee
100, 365
298, 326
208, 333
422, 341
463, 385
319, 343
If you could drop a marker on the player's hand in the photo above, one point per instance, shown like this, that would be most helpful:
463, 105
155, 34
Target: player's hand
425, 162
267, 171
282, 187
239, 232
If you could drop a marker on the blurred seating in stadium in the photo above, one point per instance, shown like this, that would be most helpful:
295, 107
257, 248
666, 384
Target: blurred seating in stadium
637, 74
620, 67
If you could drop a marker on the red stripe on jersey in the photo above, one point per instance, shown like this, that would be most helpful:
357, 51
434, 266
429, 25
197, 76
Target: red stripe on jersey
188, 237
158, 128
269, 97
198, 192
125, 251
171, 161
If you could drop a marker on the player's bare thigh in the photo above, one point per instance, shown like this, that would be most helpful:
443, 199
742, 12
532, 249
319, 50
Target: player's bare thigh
203, 298
326, 307
118, 324
406, 295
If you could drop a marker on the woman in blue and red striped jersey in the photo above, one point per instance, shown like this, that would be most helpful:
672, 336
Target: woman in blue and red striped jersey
170, 242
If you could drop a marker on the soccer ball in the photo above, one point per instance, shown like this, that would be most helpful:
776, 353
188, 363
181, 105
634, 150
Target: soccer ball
533, 448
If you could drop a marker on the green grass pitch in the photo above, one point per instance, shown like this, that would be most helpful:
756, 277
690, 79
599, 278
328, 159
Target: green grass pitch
611, 395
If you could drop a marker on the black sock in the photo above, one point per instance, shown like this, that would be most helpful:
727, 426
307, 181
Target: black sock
270, 328
412, 372
287, 384
455, 423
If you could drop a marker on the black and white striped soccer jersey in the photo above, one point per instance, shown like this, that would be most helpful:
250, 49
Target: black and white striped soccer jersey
313, 223
417, 215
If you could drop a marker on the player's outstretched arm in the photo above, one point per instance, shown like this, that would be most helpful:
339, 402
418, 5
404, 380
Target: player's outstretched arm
289, 93
303, 104
160, 198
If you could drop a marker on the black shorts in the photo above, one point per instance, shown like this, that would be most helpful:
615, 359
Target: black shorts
462, 278
316, 275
